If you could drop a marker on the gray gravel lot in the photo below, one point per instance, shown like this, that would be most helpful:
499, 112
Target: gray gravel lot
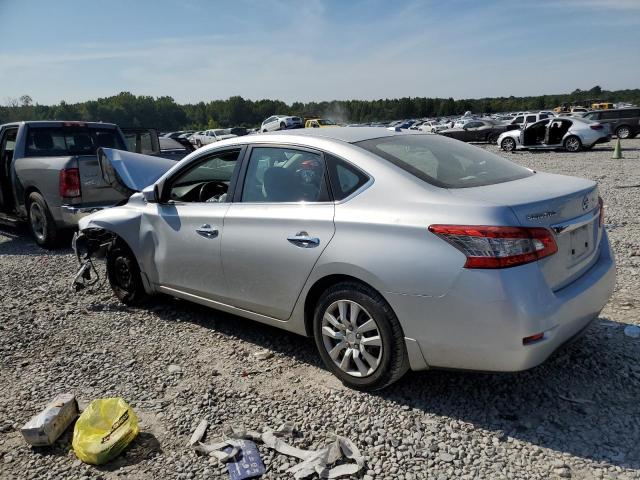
576, 416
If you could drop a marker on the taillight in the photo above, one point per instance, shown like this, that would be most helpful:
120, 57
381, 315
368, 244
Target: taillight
601, 203
69, 182
498, 247
596, 127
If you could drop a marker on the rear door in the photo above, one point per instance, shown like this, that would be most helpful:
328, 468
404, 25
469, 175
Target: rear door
276, 228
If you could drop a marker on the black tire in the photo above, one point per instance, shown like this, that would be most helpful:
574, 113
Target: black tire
623, 132
492, 138
283, 126
41, 224
124, 275
508, 144
572, 144
198, 143
394, 361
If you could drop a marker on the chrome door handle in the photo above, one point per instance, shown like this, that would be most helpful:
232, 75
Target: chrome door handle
302, 239
207, 231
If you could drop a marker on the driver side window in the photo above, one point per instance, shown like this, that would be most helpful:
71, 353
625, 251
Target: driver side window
208, 181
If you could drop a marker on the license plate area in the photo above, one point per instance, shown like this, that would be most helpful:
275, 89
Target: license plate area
581, 243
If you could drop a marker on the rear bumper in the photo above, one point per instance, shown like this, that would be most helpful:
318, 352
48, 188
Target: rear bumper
70, 215
480, 323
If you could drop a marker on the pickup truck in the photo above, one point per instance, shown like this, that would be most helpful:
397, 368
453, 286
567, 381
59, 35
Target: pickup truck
50, 175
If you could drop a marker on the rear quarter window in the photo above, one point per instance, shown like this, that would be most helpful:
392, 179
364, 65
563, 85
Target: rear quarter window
345, 178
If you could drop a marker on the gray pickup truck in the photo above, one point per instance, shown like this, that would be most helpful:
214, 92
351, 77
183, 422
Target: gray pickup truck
50, 176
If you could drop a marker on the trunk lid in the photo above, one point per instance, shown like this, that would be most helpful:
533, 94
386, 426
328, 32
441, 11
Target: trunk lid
568, 206
130, 172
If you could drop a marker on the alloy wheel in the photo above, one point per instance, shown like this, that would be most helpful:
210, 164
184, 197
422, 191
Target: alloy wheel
123, 274
38, 222
623, 132
352, 338
508, 144
573, 144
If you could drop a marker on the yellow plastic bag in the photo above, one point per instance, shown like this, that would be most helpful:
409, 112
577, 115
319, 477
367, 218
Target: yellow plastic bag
104, 430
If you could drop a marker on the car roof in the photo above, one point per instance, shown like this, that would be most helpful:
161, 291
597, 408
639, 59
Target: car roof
345, 134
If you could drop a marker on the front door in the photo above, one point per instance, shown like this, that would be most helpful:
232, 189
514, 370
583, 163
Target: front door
187, 227
276, 229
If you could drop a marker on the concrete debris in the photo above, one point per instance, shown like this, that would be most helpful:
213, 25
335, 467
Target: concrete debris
44, 428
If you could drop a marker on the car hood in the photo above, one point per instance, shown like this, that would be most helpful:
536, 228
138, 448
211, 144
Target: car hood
131, 171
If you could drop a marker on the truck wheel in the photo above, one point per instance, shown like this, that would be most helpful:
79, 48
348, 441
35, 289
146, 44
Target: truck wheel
623, 132
359, 337
124, 275
198, 143
41, 223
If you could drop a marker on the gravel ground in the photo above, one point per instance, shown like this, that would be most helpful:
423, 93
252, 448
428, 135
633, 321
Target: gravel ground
576, 416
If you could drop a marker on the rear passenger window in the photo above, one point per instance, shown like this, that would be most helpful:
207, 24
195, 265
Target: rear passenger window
609, 115
531, 118
345, 178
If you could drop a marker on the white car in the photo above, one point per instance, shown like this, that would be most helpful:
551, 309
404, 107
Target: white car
280, 122
193, 138
461, 122
211, 136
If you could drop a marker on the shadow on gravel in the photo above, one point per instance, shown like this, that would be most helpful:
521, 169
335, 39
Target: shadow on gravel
18, 241
143, 447
582, 401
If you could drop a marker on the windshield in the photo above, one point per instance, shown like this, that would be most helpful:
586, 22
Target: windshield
325, 122
63, 141
444, 162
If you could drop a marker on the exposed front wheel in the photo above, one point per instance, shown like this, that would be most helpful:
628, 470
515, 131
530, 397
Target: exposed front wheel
572, 144
623, 132
124, 275
41, 223
359, 337
508, 144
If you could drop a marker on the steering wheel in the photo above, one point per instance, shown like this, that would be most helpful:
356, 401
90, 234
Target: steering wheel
212, 191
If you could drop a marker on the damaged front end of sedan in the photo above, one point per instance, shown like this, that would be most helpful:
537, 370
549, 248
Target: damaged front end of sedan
133, 175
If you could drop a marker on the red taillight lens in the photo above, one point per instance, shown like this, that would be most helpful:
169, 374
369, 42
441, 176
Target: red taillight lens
533, 338
596, 127
69, 182
498, 247
601, 203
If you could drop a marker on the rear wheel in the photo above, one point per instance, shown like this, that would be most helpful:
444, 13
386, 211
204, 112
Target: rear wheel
572, 144
623, 132
283, 126
43, 227
124, 275
492, 138
359, 337
508, 144
198, 143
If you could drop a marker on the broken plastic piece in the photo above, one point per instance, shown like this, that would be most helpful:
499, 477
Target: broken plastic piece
247, 463
198, 433
313, 461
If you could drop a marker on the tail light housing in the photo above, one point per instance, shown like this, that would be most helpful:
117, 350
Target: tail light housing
498, 247
597, 126
601, 203
69, 182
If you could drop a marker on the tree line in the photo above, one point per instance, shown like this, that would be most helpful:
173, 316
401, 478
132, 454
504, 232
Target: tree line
163, 113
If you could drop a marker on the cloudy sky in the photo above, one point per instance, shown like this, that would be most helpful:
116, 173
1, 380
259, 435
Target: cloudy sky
305, 50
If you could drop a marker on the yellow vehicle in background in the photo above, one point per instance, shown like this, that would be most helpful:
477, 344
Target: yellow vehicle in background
602, 106
319, 123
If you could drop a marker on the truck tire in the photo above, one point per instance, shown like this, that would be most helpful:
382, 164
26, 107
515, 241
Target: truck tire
41, 224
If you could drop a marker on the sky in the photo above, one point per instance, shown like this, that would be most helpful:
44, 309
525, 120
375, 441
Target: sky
313, 50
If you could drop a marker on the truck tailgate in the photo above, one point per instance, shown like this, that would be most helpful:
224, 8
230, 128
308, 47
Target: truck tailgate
94, 190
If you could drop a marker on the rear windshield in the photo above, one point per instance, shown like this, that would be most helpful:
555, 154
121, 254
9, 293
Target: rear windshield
63, 141
445, 162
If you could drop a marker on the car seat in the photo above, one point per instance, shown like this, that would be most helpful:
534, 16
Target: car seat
281, 185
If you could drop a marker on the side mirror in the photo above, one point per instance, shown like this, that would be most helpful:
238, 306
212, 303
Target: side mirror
150, 194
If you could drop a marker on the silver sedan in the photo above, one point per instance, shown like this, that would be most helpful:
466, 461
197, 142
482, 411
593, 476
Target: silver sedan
395, 251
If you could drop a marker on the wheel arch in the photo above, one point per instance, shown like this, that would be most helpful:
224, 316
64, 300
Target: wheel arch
320, 286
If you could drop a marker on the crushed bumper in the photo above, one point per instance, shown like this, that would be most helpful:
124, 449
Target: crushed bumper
71, 214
